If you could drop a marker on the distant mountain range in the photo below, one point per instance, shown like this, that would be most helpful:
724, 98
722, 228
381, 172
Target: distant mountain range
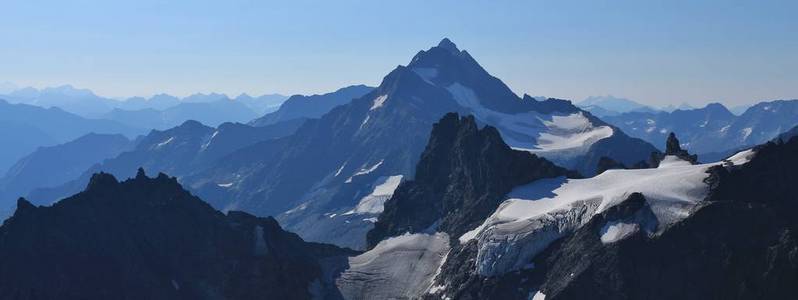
52, 166
713, 128
207, 108
211, 113
602, 106
26, 127
446, 183
181, 150
315, 179
311, 107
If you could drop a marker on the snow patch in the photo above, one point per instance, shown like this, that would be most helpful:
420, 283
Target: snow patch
558, 136
538, 296
616, 231
366, 120
436, 289
428, 74
340, 169
673, 161
742, 157
364, 171
205, 146
302, 206
164, 143
746, 132
378, 102
401, 267
581, 134
374, 202
724, 129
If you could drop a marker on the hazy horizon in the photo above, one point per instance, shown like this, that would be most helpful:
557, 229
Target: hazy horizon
655, 54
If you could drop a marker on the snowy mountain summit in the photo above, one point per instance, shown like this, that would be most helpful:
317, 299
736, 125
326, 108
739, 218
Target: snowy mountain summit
552, 128
352, 158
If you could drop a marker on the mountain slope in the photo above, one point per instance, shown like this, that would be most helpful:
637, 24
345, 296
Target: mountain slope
621, 236
602, 106
27, 127
147, 238
261, 104
187, 148
720, 230
211, 113
363, 149
309, 107
460, 180
56, 165
81, 102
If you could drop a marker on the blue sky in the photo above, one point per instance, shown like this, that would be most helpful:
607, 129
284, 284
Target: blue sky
656, 52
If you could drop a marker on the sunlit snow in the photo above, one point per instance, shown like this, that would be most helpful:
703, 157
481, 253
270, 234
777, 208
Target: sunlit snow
616, 231
164, 143
557, 136
400, 267
378, 102
374, 202
538, 213
365, 171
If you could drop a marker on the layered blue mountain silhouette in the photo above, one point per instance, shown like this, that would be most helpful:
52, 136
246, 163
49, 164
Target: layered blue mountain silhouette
27, 127
713, 128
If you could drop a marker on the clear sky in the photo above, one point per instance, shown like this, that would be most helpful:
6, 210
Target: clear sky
655, 52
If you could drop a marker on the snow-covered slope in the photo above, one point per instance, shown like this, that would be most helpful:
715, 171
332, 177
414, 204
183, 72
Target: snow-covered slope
560, 135
331, 166
397, 268
536, 214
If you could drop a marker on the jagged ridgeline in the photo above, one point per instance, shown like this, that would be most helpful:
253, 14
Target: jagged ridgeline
462, 177
328, 179
479, 221
736, 242
148, 238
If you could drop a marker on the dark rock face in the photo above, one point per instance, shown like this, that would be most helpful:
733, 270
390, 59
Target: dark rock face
787, 135
740, 245
56, 165
461, 178
606, 163
147, 238
672, 147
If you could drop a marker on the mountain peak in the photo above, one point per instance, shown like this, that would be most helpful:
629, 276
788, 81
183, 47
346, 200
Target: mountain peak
448, 45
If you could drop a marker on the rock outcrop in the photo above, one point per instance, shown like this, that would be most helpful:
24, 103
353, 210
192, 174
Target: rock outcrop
147, 238
463, 175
